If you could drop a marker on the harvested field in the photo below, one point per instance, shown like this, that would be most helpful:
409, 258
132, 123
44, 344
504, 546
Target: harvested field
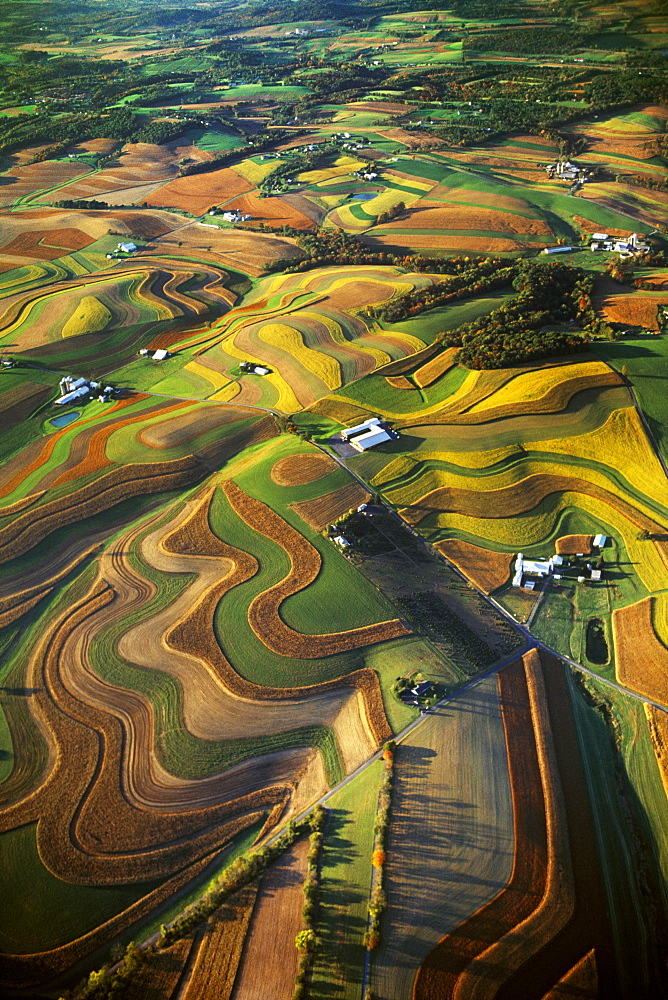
432, 370
217, 953
410, 363
181, 430
641, 659
298, 470
657, 721
432, 215
571, 545
89, 832
629, 306
46, 244
31, 177
399, 382
30, 528
158, 977
460, 855
18, 403
234, 248
269, 962
200, 192
531, 935
305, 560
324, 510
488, 570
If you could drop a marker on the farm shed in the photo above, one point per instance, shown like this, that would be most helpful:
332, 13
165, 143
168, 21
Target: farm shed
362, 442
599, 541
360, 428
549, 250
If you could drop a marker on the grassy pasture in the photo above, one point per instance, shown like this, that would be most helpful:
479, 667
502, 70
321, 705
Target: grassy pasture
47, 912
345, 886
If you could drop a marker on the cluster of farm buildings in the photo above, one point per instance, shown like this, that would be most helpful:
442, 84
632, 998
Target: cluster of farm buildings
74, 390
528, 572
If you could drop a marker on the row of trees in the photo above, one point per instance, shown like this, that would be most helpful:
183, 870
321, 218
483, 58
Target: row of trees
474, 279
378, 900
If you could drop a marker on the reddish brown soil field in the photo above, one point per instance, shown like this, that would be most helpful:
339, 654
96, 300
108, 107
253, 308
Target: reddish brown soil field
47, 244
570, 545
298, 470
486, 569
323, 510
641, 658
200, 192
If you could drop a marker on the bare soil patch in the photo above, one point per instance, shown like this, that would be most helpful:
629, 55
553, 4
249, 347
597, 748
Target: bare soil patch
298, 470
200, 192
269, 962
641, 659
571, 545
47, 244
485, 568
324, 510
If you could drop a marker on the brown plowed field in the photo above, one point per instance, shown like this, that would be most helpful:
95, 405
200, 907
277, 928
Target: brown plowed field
411, 362
218, 952
31, 177
182, 429
438, 975
326, 509
269, 962
47, 244
200, 192
263, 613
538, 714
399, 382
436, 216
300, 469
581, 981
14, 508
629, 306
18, 403
275, 210
28, 529
641, 659
571, 545
233, 248
485, 568
433, 369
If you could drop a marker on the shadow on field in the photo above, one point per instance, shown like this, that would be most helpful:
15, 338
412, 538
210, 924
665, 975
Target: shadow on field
438, 833
341, 952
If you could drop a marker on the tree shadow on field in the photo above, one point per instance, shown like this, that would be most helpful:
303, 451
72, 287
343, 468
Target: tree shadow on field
340, 956
436, 840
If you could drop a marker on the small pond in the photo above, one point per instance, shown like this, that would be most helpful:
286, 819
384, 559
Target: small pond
63, 419
597, 644
365, 195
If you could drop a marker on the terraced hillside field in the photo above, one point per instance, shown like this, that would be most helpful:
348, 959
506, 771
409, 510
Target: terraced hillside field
505, 461
307, 330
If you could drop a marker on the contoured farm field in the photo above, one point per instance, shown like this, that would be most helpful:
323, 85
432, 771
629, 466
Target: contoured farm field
331, 376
